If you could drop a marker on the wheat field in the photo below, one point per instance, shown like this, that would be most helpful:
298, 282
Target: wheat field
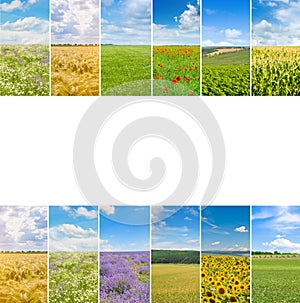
23, 278
75, 70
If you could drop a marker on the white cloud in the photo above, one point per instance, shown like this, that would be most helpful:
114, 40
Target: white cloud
108, 210
283, 245
209, 11
23, 228
232, 33
190, 19
187, 219
192, 241
284, 30
106, 3
215, 243
84, 212
75, 21
272, 4
9, 7
69, 237
241, 229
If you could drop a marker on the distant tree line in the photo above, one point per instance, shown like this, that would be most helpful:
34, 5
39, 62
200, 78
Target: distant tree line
273, 253
175, 256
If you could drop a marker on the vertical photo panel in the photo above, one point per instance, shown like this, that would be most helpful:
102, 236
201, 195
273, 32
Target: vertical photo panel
275, 254
276, 48
126, 48
176, 48
225, 260
23, 254
75, 48
124, 254
226, 48
175, 254
73, 249
24, 48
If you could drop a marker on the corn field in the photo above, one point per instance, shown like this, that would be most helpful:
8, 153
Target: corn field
276, 71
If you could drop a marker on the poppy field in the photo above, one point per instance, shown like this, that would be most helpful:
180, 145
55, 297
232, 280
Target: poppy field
125, 70
24, 70
276, 71
226, 72
176, 70
73, 277
275, 279
75, 70
225, 279
124, 277
23, 278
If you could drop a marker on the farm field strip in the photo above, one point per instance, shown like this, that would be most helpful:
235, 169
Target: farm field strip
24, 70
275, 280
75, 70
276, 71
225, 279
23, 278
73, 277
124, 277
175, 283
179, 68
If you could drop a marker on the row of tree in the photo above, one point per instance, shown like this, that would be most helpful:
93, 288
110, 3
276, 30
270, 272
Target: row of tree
175, 256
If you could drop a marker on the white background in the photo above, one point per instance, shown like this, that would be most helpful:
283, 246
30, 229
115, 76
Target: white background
261, 136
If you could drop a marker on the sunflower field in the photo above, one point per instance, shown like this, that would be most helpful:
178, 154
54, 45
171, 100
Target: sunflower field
225, 279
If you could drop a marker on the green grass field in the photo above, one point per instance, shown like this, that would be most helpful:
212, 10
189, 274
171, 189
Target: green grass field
175, 283
275, 280
226, 74
121, 68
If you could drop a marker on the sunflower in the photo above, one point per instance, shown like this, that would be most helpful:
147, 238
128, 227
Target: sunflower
232, 299
221, 290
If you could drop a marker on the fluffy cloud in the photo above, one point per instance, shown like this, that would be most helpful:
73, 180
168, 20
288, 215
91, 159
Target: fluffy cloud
69, 237
215, 243
9, 7
241, 229
30, 30
190, 19
84, 212
23, 228
232, 33
108, 210
283, 245
284, 30
75, 21
187, 219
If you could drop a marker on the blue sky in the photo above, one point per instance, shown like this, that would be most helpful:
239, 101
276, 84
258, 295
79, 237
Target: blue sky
276, 228
175, 230
23, 228
276, 22
24, 21
116, 235
176, 22
226, 23
225, 228
75, 21
73, 228
126, 22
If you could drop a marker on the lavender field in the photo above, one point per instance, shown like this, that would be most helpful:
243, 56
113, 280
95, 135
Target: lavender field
125, 277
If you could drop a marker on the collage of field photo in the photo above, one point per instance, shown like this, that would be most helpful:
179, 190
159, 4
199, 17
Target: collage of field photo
225, 259
176, 48
126, 48
23, 254
276, 48
175, 254
24, 48
275, 254
73, 254
124, 254
226, 48
75, 51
